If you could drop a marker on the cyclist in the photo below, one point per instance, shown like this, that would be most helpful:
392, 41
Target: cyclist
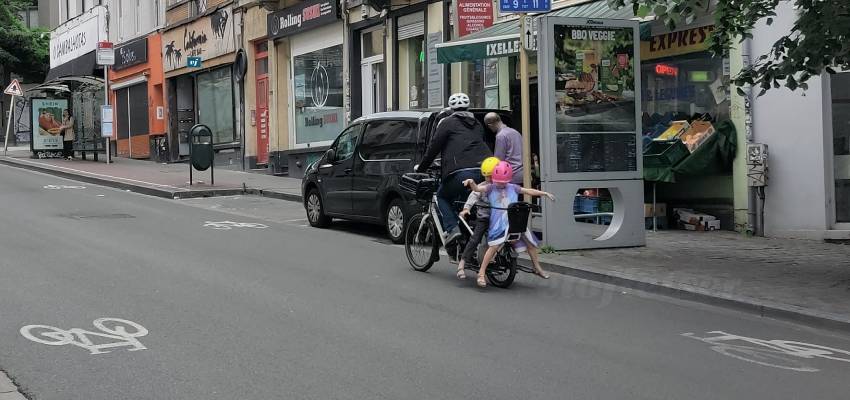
459, 141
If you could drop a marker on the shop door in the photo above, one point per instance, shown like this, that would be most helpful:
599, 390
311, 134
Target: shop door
263, 121
373, 95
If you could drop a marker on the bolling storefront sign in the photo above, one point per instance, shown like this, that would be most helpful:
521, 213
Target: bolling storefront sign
301, 17
77, 37
207, 38
677, 43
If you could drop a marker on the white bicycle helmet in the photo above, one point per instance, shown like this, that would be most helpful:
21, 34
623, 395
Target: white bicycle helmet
459, 101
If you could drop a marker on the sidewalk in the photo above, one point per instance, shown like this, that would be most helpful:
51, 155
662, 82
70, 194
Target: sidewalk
798, 280
162, 180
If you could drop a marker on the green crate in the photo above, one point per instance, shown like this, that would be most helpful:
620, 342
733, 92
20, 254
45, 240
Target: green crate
664, 154
606, 205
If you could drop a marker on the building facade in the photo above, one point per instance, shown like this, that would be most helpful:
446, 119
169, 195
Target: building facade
136, 87
198, 52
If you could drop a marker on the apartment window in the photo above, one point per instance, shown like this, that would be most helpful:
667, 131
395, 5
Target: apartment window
197, 7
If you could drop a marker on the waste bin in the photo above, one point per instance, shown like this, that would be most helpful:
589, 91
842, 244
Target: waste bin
201, 154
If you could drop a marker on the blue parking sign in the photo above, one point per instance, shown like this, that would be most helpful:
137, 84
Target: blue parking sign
193, 62
523, 6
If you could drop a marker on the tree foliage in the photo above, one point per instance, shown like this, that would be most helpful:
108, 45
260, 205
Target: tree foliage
23, 51
818, 42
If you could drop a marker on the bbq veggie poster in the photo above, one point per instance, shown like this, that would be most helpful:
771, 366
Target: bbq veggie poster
46, 123
594, 78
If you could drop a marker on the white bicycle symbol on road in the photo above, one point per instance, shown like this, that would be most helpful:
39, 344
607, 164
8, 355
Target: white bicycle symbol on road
227, 225
122, 332
785, 354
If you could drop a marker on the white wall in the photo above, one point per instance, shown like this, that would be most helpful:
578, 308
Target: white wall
130, 19
792, 125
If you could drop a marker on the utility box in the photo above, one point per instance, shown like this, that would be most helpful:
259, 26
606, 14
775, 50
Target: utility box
756, 165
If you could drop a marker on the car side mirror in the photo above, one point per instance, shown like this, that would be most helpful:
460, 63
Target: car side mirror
330, 155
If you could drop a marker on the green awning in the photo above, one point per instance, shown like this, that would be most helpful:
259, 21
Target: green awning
714, 157
502, 39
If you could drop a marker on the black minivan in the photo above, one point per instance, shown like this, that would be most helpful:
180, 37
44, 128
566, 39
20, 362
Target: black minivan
358, 177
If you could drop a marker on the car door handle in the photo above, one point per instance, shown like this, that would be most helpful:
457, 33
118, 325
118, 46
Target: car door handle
347, 171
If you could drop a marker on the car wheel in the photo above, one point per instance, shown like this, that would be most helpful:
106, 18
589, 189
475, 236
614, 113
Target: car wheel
316, 210
395, 220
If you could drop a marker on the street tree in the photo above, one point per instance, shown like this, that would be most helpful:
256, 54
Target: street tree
23, 51
818, 42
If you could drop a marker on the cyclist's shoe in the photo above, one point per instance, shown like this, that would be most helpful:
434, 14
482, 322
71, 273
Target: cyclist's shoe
452, 250
453, 236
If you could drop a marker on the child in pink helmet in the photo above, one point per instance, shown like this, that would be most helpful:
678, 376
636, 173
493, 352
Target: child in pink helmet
500, 194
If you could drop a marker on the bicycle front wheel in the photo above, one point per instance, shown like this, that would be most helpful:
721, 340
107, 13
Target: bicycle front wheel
420, 242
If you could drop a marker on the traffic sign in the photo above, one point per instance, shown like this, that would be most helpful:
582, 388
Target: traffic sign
193, 62
524, 6
530, 37
105, 53
14, 89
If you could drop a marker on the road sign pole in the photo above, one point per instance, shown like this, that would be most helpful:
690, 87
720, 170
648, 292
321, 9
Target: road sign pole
9, 125
106, 103
525, 104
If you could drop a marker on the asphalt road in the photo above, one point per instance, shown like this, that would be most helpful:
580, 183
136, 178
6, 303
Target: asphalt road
279, 310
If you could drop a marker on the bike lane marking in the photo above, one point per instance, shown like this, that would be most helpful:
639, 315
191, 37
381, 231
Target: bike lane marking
775, 353
228, 225
121, 332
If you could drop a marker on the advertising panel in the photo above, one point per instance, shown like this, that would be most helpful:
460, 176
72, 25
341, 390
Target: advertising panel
596, 113
46, 123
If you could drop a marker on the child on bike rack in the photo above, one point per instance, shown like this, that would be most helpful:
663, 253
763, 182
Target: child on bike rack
500, 194
482, 219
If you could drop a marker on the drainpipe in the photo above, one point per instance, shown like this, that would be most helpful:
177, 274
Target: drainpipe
755, 215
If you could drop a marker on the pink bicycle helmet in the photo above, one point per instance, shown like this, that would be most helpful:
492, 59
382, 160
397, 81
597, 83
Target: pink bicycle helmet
503, 173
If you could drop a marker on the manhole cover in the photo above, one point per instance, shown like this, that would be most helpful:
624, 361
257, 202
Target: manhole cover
103, 216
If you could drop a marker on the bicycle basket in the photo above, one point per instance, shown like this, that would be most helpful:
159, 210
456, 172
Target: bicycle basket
518, 216
419, 186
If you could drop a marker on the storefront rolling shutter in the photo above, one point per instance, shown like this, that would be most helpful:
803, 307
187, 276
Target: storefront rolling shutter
410, 26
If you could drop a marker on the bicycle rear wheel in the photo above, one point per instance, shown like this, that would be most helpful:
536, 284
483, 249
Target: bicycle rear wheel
421, 243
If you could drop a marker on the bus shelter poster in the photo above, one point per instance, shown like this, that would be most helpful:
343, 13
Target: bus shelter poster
46, 122
595, 110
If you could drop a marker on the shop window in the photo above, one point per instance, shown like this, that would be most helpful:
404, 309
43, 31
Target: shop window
684, 86
483, 78
373, 43
411, 61
318, 92
215, 104
841, 144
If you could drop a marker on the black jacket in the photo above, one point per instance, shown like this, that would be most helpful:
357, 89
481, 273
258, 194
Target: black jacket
459, 141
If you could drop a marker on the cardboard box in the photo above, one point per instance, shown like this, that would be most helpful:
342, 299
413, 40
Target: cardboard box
703, 226
697, 134
660, 210
676, 129
689, 216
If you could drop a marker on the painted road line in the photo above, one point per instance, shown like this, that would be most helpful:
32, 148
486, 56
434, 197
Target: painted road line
99, 175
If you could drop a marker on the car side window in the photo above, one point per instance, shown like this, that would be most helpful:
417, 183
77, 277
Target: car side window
346, 143
389, 140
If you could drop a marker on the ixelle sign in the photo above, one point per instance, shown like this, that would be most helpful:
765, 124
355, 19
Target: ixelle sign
306, 15
78, 36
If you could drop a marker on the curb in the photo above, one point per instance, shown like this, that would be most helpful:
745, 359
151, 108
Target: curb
8, 389
763, 308
151, 191
750, 305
